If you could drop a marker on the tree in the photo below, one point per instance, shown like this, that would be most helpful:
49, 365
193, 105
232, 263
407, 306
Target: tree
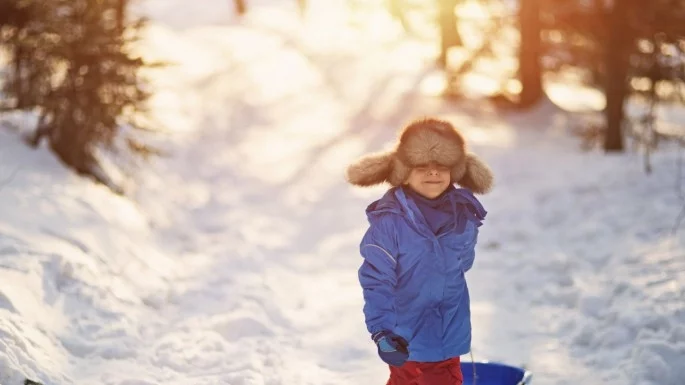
71, 63
240, 6
617, 64
530, 52
449, 34
121, 14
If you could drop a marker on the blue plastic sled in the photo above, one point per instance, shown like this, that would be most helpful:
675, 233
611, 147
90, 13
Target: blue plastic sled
493, 373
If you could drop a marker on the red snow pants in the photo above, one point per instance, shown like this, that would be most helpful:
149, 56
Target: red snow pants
446, 372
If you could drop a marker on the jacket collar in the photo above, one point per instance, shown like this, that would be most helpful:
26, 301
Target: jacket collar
396, 201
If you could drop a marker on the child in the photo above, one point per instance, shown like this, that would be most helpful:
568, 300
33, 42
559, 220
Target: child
420, 242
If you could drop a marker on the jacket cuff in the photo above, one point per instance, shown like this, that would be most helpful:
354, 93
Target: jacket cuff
378, 335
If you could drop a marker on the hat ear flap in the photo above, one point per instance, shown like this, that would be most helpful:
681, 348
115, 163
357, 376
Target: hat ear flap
477, 177
371, 169
399, 173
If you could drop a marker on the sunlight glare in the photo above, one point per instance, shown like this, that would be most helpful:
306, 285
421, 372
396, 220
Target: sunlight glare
488, 134
433, 84
574, 97
480, 84
473, 9
497, 136
513, 86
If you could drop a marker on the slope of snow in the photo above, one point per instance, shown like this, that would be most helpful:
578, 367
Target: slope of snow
236, 261
78, 272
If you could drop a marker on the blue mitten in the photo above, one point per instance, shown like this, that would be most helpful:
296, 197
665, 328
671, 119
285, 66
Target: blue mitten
391, 348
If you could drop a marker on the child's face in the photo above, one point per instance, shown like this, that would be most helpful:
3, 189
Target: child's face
429, 180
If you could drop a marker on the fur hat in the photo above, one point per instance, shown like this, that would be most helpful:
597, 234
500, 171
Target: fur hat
421, 142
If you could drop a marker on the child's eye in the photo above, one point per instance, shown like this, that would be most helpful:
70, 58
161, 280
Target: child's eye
425, 168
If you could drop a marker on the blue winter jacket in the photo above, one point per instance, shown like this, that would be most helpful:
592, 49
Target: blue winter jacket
413, 280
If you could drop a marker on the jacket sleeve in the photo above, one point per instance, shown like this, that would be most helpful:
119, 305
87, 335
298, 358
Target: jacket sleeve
467, 261
377, 275
470, 255
476, 217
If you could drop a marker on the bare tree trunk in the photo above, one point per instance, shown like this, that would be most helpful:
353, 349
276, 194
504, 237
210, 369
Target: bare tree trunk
121, 15
449, 34
41, 131
600, 12
7, 11
19, 78
240, 7
530, 69
617, 55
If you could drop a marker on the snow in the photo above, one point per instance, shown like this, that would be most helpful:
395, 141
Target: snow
235, 261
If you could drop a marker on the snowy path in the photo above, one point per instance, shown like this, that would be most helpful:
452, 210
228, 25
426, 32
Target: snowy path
250, 235
560, 257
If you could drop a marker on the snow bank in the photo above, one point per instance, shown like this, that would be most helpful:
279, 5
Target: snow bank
79, 270
589, 271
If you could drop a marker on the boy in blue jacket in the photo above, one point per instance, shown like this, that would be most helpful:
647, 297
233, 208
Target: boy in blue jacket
419, 245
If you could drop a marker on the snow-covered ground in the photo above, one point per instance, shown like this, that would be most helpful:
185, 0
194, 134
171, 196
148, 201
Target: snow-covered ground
235, 263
